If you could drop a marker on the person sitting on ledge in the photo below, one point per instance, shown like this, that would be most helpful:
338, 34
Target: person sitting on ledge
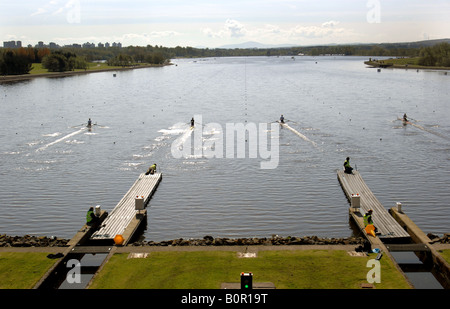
91, 218
347, 168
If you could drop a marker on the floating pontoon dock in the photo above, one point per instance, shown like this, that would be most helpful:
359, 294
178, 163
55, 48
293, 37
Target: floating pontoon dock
125, 218
388, 227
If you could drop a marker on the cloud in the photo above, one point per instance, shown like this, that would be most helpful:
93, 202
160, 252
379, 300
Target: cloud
315, 31
39, 12
164, 34
330, 24
232, 28
53, 8
147, 37
235, 29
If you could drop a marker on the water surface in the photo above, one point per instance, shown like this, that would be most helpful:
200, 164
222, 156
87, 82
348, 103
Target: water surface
52, 169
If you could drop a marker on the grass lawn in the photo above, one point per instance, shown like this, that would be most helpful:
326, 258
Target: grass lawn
403, 61
38, 69
445, 254
309, 269
22, 270
411, 63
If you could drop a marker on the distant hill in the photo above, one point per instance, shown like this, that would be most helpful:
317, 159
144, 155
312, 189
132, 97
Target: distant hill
416, 44
257, 45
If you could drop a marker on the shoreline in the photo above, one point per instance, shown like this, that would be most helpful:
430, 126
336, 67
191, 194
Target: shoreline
13, 78
30, 242
35, 242
385, 64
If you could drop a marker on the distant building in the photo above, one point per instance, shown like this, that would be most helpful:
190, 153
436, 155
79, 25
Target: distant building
9, 44
53, 45
88, 45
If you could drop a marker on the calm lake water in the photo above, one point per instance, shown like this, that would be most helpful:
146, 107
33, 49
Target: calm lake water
52, 169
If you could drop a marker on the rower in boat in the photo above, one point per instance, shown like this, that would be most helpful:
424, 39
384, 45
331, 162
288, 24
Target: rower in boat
405, 119
192, 122
89, 124
282, 119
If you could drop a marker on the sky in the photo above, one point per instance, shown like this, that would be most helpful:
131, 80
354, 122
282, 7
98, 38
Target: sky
215, 23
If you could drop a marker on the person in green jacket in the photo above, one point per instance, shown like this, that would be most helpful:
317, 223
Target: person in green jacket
347, 168
368, 219
91, 218
151, 170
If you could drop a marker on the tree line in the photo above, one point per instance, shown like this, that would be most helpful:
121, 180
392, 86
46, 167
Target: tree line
437, 55
20, 60
60, 61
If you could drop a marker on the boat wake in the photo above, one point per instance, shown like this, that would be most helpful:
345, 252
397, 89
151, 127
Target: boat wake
61, 139
423, 129
298, 133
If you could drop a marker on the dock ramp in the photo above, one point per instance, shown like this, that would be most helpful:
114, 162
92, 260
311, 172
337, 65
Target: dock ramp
125, 211
387, 226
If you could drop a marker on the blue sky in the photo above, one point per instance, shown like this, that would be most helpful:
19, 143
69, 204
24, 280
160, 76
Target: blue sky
209, 23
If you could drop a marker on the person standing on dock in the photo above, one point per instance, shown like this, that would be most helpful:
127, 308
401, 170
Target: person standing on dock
368, 219
347, 168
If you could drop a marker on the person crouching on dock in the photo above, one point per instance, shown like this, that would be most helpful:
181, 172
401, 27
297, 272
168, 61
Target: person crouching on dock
347, 168
151, 170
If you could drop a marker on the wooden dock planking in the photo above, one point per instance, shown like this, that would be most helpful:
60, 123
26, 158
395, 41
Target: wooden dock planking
386, 224
124, 213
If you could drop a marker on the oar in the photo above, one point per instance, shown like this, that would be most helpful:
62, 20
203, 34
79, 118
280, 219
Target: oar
292, 121
78, 125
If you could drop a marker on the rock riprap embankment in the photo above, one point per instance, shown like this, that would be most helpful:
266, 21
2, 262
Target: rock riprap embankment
32, 241
272, 241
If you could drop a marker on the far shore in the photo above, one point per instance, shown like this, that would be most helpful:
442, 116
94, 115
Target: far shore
403, 63
13, 78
